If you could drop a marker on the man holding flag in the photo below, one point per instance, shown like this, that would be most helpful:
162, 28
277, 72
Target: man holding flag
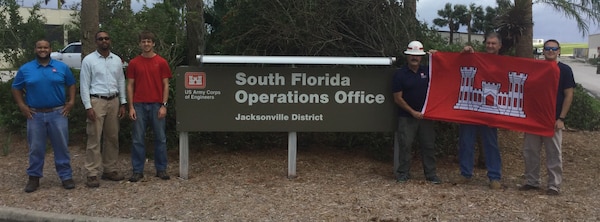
533, 143
410, 90
468, 134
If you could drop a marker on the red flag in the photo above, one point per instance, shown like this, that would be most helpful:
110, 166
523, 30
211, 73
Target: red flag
499, 91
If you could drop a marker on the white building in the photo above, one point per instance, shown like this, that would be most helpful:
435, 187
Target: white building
54, 17
462, 37
594, 46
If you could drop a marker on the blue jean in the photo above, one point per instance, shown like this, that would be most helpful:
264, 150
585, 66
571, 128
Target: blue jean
466, 150
147, 114
41, 127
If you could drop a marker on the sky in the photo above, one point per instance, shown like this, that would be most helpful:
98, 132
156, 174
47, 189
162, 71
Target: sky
548, 23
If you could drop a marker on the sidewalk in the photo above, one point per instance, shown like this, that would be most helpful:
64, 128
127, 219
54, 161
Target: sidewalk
17, 215
585, 74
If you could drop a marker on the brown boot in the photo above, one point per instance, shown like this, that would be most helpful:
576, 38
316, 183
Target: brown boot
92, 182
114, 176
32, 184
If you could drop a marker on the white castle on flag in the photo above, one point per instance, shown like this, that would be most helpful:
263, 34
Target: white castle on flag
504, 103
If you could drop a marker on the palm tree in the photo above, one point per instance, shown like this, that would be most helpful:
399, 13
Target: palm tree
59, 2
89, 26
194, 30
473, 19
452, 17
581, 11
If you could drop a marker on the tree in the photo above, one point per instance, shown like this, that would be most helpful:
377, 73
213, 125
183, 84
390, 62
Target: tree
313, 27
194, 30
18, 36
59, 2
486, 23
452, 17
89, 26
472, 20
581, 11
524, 41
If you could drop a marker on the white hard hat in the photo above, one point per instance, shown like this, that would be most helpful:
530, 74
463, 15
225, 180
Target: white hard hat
415, 48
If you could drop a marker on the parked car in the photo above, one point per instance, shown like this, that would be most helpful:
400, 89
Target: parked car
71, 55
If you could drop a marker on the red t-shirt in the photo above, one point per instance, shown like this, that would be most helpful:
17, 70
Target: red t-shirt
148, 74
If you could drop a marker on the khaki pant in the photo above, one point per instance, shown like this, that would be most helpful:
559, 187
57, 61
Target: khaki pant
531, 154
102, 148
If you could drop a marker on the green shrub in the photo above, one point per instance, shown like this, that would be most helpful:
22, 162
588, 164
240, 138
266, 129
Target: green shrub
584, 114
585, 111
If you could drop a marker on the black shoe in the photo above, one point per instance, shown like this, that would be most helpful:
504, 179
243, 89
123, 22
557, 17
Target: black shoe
92, 182
162, 175
552, 192
528, 187
68, 184
136, 177
402, 179
32, 184
434, 180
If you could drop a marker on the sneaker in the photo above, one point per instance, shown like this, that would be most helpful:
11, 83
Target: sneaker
434, 180
32, 184
528, 187
464, 180
495, 185
68, 184
162, 175
92, 182
552, 192
402, 179
136, 177
114, 176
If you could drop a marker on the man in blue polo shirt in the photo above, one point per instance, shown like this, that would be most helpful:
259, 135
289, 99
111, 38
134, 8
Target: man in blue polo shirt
410, 89
44, 83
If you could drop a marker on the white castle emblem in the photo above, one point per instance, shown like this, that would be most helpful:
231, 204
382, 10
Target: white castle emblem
504, 103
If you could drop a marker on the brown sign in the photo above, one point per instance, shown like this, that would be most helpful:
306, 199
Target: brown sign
285, 99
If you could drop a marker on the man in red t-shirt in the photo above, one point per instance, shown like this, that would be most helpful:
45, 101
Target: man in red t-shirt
148, 92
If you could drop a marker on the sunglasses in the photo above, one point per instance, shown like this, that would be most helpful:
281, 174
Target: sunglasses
103, 38
551, 48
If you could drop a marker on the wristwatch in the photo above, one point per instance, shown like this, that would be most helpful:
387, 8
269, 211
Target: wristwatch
561, 118
165, 105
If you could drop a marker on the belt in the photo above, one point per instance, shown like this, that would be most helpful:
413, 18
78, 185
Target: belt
46, 110
105, 97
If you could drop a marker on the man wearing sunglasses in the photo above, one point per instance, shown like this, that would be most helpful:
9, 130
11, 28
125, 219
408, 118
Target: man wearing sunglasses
533, 143
102, 90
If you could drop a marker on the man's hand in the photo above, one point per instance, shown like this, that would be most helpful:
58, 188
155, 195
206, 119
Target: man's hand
91, 115
468, 49
417, 115
121, 111
559, 124
162, 112
132, 114
67, 109
26, 111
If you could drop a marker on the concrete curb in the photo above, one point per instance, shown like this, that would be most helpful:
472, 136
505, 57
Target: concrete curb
18, 215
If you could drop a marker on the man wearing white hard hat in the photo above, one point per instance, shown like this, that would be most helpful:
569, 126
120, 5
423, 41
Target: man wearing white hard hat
410, 86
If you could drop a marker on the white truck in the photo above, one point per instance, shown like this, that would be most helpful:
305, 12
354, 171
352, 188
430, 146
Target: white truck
71, 55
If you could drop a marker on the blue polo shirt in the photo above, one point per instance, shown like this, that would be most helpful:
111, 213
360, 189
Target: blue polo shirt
413, 87
45, 86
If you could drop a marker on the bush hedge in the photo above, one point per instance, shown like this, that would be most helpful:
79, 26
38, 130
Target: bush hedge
584, 115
